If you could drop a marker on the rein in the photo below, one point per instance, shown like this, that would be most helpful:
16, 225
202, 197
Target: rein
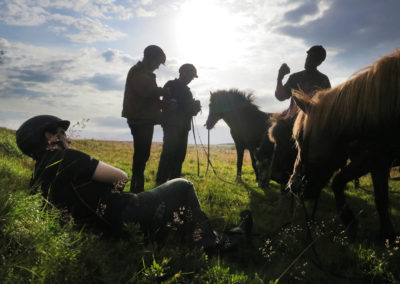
197, 151
209, 163
317, 262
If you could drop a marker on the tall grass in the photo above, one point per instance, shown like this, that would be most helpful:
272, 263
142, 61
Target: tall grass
40, 244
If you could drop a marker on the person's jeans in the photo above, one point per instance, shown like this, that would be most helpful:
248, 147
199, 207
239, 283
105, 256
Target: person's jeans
142, 137
172, 204
173, 153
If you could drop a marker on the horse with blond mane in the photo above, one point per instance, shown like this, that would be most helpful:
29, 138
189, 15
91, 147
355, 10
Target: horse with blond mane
360, 120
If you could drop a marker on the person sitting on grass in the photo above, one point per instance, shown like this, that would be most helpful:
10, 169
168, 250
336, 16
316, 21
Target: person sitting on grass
92, 191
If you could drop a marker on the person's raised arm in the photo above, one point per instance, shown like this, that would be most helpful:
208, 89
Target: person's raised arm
108, 174
281, 93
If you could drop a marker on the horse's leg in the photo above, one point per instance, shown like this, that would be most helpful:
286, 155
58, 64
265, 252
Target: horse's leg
380, 175
356, 168
240, 153
254, 163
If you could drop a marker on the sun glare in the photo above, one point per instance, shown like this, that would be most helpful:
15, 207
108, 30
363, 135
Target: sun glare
208, 33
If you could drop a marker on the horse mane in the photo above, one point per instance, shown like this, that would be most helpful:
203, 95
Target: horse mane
228, 100
368, 101
280, 129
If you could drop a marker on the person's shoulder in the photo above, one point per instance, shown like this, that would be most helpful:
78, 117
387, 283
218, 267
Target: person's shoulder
74, 155
294, 77
172, 83
298, 74
323, 76
320, 74
139, 68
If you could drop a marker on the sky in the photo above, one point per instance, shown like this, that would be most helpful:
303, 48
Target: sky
70, 58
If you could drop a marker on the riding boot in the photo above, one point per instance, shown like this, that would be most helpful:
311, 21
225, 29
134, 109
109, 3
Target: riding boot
230, 239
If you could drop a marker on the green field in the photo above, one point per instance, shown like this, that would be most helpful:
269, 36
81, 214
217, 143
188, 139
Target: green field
39, 244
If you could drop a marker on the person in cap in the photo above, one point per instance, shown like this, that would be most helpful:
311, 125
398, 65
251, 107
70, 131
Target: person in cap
309, 80
178, 109
91, 191
142, 109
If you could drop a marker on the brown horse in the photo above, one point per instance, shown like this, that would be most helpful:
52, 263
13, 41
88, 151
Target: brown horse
359, 119
246, 122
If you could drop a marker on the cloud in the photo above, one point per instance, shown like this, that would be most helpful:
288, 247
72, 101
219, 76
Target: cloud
20, 13
108, 55
92, 30
103, 82
350, 28
33, 76
80, 20
116, 56
19, 90
110, 122
306, 8
141, 12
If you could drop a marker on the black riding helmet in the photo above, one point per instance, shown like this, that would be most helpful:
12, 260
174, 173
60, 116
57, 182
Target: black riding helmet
29, 135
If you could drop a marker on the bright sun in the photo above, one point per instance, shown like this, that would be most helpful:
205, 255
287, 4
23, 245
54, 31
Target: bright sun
208, 33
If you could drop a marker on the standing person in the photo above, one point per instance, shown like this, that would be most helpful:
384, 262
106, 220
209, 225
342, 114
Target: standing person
142, 108
91, 191
178, 109
308, 80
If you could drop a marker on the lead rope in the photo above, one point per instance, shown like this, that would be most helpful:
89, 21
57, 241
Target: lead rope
197, 151
208, 150
317, 262
209, 161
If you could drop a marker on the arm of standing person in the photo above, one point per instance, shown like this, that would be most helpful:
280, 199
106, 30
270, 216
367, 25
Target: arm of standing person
281, 93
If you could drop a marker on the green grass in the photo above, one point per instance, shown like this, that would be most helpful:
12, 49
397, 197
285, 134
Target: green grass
39, 244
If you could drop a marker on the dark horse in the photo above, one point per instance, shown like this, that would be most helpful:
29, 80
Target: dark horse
246, 122
280, 166
359, 119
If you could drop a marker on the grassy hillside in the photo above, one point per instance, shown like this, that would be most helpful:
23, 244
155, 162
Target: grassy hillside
39, 244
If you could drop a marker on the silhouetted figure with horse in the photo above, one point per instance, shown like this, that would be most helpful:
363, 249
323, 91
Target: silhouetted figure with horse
245, 120
280, 133
359, 119
177, 111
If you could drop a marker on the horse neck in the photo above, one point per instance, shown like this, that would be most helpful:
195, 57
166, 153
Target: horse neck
246, 118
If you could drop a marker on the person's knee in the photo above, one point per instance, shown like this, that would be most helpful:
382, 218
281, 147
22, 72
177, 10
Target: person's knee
181, 185
181, 182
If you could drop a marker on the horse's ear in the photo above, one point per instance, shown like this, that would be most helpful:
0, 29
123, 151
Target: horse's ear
211, 93
302, 100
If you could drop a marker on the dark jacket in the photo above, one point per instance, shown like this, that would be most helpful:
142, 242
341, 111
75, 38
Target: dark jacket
142, 96
65, 178
179, 106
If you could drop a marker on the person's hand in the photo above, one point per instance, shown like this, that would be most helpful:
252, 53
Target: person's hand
196, 106
283, 70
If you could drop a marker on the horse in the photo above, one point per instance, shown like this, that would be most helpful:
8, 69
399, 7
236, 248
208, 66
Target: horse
360, 120
245, 120
280, 167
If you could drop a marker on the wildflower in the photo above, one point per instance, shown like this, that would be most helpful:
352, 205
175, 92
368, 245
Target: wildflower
101, 208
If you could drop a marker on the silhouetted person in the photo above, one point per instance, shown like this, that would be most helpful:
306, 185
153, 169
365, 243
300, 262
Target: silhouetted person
142, 108
178, 109
308, 80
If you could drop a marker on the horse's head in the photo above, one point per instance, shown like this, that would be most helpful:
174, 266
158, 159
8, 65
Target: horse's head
215, 111
224, 102
276, 155
317, 156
